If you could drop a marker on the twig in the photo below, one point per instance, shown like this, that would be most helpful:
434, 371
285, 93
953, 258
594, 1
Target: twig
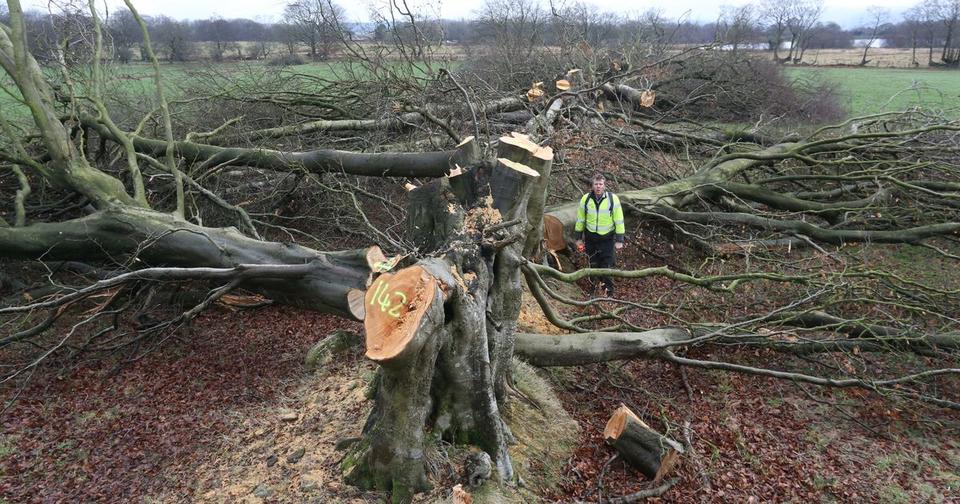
645, 494
695, 456
466, 96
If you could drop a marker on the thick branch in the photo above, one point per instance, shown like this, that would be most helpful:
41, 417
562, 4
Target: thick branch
589, 348
154, 239
400, 164
912, 235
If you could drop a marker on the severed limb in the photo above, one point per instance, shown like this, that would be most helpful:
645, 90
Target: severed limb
392, 164
654, 454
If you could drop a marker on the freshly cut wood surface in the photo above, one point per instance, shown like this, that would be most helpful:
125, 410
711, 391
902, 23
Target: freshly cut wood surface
394, 305
553, 234
653, 454
356, 303
518, 167
375, 256
461, 496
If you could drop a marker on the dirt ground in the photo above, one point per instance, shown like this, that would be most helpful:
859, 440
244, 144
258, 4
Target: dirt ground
232, 416
228, 413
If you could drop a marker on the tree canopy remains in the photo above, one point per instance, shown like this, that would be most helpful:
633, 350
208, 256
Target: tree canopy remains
442, 180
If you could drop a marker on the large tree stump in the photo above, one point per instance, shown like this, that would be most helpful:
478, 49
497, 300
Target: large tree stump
653, 454
404, 314
443, 329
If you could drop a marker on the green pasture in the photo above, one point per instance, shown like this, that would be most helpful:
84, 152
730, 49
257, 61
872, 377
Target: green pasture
871, 90
134, 83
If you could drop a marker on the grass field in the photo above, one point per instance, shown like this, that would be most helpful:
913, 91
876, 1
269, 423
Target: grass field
135, 80
871, 90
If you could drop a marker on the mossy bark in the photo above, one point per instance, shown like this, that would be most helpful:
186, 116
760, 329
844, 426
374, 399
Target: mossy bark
472, 247
391, 455
145, 237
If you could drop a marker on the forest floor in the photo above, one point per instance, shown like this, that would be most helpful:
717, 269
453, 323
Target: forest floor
228, 413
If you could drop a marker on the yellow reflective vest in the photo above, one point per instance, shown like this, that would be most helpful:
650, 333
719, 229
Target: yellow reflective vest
600, 219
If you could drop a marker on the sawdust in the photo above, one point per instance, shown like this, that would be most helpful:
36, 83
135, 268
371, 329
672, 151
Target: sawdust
478, 218
332, 406
532, 319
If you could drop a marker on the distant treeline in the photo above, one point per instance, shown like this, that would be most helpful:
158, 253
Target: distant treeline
318, 29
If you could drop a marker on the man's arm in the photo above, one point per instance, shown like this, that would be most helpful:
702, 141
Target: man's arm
618, 225
579, 227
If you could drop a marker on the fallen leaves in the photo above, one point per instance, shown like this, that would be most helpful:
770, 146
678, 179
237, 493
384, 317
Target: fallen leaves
95, 436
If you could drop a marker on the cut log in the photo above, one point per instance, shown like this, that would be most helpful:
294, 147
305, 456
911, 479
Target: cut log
356, 300
653, 454
588, 348
553, 239
394, 305
161, 239
518, 158
509, 187
639, 99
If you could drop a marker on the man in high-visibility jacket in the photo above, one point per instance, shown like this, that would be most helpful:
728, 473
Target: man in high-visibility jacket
600, 227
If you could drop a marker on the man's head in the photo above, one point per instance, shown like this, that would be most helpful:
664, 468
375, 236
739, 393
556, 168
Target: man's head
599, 184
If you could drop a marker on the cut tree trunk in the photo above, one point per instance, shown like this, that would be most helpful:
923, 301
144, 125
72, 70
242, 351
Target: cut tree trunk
404, 315
442, 329
653, 454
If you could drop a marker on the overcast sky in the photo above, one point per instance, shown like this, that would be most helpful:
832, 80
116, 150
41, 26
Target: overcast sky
848, 14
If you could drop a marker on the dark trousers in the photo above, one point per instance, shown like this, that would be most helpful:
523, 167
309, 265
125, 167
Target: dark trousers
600, 251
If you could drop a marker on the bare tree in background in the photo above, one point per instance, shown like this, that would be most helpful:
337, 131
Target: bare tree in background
125, 34
913, 19
516, 30
737, 25
172, 38
316, 23
794, 23
878, 16
802, 23
776, 15
949, 14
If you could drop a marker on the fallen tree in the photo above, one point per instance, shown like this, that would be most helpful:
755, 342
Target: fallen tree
441, 312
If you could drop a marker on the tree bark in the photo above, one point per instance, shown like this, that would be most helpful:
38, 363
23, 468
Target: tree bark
653, 454
138, 236
592, 347
393, 164
391, 455
452, 373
